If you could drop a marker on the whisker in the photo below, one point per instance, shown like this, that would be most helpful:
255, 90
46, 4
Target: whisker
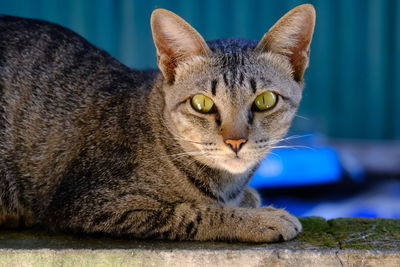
302, 117
294, 147
288, 138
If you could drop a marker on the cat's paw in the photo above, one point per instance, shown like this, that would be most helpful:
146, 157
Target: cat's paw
275, 225
287, 225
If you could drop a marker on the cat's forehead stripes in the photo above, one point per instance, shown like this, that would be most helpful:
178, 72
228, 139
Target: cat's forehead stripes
232, 67
214, 87
253, 85
234, 57
226, 82
241, 78
241, 70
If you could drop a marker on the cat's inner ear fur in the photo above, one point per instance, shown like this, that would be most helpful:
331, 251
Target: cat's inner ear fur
291, 36
175, 41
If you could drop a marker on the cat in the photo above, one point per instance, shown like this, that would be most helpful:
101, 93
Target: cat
88, 145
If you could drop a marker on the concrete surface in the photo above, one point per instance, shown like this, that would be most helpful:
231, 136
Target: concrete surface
338, 242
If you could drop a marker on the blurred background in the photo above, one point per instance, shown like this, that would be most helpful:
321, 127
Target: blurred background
342, 156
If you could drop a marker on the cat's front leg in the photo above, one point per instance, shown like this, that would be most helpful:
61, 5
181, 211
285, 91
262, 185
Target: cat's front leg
203, 222
180, 221
250, 198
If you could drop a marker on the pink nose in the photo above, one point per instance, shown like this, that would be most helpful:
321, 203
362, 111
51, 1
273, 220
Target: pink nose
235, 144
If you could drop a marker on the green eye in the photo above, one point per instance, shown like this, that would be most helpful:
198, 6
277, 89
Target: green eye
202, 103
265, 101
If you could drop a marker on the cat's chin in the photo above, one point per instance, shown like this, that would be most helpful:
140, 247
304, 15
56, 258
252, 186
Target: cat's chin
236, 165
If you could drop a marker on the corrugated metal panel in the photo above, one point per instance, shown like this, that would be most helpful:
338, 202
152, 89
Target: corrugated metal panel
394, 105
353, 84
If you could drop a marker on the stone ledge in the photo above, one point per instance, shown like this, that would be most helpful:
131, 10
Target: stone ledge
338, 242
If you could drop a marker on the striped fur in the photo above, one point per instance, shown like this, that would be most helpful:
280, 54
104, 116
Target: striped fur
88, 145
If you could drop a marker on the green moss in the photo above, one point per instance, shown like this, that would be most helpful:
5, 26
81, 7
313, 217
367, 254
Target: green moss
314, 224
366, 233
316, 232
355, 233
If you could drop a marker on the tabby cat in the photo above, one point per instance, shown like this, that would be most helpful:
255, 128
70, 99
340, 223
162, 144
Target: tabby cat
88, 145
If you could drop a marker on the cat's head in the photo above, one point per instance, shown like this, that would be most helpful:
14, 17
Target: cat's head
229, 101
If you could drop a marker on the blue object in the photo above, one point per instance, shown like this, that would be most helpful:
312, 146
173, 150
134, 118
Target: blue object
298, 167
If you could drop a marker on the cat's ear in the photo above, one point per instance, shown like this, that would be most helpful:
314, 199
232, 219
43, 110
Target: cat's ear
175, 41
291, 36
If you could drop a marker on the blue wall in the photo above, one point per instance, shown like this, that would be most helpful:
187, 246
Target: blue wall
353, 84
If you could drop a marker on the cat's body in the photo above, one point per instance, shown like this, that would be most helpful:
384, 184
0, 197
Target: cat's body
89, 145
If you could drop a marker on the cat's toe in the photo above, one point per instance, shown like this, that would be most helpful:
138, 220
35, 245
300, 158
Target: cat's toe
291, 226
287, 225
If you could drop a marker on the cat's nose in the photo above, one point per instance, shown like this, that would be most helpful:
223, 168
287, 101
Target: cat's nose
235, 144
